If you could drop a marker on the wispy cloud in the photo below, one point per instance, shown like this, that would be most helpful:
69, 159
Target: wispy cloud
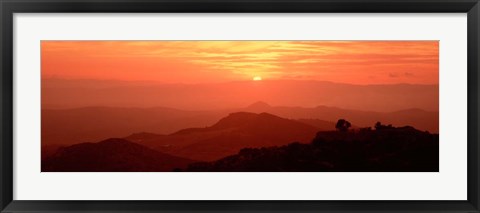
343, 61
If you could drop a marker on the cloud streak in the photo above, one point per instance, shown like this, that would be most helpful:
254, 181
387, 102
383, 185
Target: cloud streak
356, 62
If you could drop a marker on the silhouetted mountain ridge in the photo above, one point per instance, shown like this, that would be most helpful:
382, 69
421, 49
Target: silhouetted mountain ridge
230, 134
70, 126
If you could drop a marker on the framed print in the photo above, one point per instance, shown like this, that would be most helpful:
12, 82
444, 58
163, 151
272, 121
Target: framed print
254, 106
231, 128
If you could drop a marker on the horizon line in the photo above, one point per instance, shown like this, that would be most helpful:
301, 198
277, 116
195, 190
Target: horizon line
225, 82
232, 108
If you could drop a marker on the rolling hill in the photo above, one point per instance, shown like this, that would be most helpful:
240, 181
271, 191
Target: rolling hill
111, 155
228, 136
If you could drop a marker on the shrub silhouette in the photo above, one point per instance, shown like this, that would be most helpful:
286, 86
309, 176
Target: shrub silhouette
343, 125
380, 126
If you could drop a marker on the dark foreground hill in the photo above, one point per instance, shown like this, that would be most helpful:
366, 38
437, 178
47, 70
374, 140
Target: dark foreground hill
112, 155
228, 136
391, 149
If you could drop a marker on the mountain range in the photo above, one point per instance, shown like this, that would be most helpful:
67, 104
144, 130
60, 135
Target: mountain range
244, 141
153, 152
71, 126
420, 119
63, 94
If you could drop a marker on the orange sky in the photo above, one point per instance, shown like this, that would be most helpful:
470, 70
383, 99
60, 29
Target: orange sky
355, 62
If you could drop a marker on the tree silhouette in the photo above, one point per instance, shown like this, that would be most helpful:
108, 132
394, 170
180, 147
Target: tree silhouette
343, 125
380, 126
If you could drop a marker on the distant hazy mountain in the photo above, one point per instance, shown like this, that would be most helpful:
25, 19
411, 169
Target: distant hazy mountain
321, 124
71, 126
420, 119
112, 155
58, 93
228, 136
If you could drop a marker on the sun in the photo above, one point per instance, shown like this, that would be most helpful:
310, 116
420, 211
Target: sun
257, 78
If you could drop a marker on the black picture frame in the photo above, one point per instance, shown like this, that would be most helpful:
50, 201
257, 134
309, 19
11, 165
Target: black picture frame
9, 7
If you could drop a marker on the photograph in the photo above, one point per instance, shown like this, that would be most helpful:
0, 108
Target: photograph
239, 105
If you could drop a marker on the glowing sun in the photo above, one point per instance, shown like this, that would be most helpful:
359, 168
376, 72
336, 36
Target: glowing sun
257, 78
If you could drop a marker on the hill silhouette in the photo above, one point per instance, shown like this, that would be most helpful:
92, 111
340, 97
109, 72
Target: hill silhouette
228, 136
392, 149
111, 155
